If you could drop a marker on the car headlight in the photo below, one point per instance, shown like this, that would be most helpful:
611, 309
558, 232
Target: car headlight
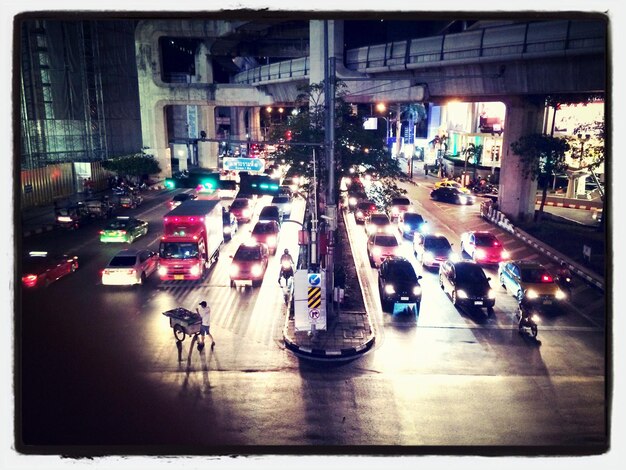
504, 254
479, 253
536, 318
376, 251
560, 294
491, 294
256, 270
162, 270
271, 241
226, 230
531, 294
463, 199
195, 270
423, 228
417, 290
234, 269
428, 256
352, 201
389, 289
245, 213
395, 211
454, 257
461, 294
389, 229
359, 214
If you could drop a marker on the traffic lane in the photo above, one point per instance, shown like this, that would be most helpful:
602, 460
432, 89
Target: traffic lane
453, 220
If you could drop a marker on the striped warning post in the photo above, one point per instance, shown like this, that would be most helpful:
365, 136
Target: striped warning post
315, 297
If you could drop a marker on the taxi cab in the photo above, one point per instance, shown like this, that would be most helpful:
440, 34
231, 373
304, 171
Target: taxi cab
249, 263
123, 230
40, 268
447, 183
530, 280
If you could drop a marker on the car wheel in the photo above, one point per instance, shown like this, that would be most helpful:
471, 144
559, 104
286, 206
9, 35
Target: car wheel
143, 279
502, 282
489, 311
256, 283
232, 283
454, 298
372, 264
441, 283
519, 296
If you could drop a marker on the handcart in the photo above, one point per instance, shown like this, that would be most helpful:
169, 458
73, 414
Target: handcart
184, 322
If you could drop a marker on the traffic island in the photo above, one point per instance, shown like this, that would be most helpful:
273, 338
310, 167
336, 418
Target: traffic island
349, 331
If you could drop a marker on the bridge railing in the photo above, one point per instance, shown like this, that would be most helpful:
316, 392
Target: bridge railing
515, 41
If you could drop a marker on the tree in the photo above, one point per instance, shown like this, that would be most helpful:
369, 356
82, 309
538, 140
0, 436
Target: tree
134, 165
541, 156
357, 151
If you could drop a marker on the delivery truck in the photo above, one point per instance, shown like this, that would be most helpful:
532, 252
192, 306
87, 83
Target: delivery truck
192, 238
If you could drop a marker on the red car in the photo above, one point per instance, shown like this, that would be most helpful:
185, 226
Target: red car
249, 264
40, 268
483, 247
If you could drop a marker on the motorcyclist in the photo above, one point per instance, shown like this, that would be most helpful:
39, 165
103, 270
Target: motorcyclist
286, 265
525, 311
564, 276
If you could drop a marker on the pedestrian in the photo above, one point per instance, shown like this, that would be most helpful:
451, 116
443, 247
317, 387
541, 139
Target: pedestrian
205, 329
425, 169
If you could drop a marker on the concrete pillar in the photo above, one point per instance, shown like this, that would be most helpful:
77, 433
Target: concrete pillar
316, 46
517, 194
242, 124
208, 151
204, 65
154, 135
255, 124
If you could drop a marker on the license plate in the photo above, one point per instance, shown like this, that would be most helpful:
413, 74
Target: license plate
179, 277
547, 302
478, 302
404, 298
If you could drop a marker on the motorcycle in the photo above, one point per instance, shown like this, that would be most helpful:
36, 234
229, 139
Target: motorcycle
286, 284
565, 284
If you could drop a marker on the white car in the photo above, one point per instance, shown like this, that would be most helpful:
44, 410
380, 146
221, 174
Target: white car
130, 267
381, 246
398, 206
284, 205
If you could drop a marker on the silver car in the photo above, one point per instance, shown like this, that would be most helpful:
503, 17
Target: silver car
130, 267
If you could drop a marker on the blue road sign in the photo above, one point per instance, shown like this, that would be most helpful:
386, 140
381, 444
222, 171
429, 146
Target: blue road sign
314, 279
243, 164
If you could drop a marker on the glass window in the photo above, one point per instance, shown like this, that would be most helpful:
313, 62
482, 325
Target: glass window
123, 262
178, 250
386, 241
436, 243
470, 272
248, 253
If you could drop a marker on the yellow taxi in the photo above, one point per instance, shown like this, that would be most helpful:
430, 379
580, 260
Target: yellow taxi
446, 183
530, 280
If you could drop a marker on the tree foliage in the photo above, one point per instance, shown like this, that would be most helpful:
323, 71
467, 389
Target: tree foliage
541, 157
133, 165
357, 151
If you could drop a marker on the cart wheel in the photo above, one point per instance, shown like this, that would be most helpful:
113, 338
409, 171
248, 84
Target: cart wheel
179, 333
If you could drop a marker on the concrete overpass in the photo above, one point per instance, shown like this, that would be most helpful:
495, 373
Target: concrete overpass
518, 64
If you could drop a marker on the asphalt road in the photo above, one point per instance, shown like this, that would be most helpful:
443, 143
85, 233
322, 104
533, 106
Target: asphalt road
98, 368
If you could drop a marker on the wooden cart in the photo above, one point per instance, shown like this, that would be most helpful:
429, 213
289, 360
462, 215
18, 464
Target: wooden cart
184, 322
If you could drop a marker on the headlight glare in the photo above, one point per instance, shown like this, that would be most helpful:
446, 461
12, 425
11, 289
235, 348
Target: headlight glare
389, 289
560, 294
461, 294
417, 290
531, 294
491, 294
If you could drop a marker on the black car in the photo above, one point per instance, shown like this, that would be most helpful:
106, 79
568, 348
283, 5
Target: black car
269, 213
410, 223
453, 195
397, 282
467, 284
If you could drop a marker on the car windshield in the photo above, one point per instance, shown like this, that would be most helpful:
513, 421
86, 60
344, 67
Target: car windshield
470, 273
178, 250
400, 201
263, 228
280, 200
122, 261
486, 240
239, 204
402, 271
413, 218
366, 206
32, 263
386, 240
379, 219
535, 275
269, 212
248, 253
436, 243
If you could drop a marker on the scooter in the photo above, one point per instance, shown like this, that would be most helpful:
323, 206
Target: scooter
286, 283
565, 284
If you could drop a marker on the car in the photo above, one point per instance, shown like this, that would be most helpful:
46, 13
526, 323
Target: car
229, 221
446, 183
267, 232
398, 206
378, 222
130, 267
242, 209
180, 198
381, 246
42, 268
363, 210
397, 282
432, 249
123, 230
410, 223
467, 284
271, 212
249, 263
483, 247
530, 280
284, 205
453, 195
227, 189
285, 191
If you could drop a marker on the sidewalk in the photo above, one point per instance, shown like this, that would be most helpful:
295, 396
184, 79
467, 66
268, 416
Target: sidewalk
349, 333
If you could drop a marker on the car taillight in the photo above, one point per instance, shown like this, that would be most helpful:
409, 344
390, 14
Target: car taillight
480, 253
122, 232
101, 232
30, 280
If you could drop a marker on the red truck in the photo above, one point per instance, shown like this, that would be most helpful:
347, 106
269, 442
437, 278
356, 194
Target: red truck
193, 235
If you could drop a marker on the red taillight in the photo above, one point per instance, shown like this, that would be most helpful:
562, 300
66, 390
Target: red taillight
101, 232
496, 244
122, 232
29, 280
546, 278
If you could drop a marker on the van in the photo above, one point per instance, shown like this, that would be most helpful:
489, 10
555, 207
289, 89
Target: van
269, 213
